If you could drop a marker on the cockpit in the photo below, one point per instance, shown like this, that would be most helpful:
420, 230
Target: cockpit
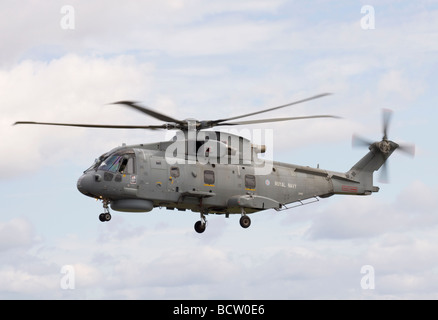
116, 162
115, 166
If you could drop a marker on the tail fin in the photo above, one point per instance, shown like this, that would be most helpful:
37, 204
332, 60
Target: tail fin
363, 170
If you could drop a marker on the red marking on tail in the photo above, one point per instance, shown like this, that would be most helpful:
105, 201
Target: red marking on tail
349, 189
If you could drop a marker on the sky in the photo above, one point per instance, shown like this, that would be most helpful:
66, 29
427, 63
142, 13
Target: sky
66, 62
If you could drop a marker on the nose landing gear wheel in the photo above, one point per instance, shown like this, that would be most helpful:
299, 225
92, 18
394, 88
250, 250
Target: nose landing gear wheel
105, 216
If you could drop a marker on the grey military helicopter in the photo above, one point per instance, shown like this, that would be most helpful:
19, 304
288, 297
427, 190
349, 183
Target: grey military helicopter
217, 172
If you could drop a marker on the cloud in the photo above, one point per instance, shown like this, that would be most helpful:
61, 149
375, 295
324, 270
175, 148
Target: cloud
364, 217
71, 89
393, 81
172, 27
16, 233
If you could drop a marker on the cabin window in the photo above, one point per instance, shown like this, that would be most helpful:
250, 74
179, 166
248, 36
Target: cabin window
174, 172
250, 182
209, 177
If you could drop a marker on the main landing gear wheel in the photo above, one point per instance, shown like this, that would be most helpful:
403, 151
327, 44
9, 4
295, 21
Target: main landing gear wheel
245, 221
201, 224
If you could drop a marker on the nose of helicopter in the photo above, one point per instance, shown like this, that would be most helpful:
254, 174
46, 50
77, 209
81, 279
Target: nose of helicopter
86, 183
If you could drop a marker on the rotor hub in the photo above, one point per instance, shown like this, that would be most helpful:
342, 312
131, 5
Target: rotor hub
384, 146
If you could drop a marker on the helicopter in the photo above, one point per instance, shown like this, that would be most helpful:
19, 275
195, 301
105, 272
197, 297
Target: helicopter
218, 172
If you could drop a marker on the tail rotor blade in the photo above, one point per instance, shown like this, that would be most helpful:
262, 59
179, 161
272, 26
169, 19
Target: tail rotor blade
408, 149
383, 176
387, 114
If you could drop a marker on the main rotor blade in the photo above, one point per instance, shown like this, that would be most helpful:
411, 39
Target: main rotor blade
357, 141
152, 113
273, 120
92, 125
216, 122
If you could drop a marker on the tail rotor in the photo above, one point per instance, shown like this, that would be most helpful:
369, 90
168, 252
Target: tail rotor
385, 147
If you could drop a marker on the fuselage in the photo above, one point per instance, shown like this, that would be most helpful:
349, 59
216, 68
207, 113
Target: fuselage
141, 177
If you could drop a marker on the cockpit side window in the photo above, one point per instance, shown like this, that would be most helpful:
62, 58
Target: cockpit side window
116, 164
121, 163
110, 163
127, 165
